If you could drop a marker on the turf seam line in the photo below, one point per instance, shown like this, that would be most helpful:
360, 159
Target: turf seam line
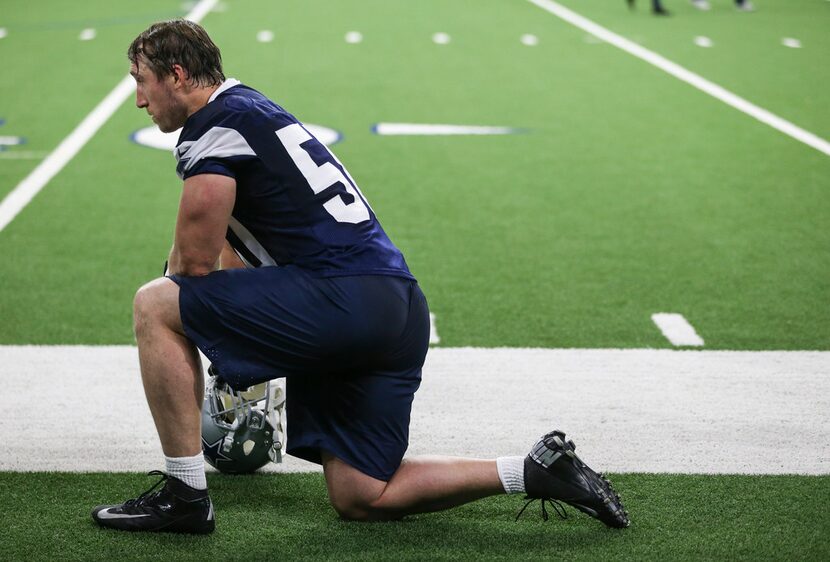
681, 73
37, 179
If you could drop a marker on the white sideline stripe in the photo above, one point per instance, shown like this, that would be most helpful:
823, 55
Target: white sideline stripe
636, 410
685, 75
676, 329
37, 179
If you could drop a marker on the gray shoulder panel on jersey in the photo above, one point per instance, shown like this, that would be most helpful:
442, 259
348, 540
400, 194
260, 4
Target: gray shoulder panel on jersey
218, 142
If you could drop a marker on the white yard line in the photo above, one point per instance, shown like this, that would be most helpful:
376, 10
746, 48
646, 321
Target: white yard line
81, 408
434, 338
428, 129
27, 189
685, 75
676, 329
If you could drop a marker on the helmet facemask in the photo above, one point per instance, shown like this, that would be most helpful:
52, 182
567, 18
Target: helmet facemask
242, 430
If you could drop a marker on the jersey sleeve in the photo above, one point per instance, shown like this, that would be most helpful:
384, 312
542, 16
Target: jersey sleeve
209, 166
212, 144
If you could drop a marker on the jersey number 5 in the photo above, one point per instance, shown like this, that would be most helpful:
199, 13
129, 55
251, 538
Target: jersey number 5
320, 178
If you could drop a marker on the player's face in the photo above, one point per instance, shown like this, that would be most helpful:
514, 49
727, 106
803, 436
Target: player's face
158, 97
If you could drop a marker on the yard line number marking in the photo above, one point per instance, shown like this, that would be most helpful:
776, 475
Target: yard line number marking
685, 75
31, 185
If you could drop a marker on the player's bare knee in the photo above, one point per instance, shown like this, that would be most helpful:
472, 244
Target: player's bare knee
152, 306
355, 509
141, 310
348, 511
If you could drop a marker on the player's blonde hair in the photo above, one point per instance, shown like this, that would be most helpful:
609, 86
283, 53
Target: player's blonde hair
181, 42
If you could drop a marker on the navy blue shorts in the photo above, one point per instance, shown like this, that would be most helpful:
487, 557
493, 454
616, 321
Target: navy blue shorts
351, 349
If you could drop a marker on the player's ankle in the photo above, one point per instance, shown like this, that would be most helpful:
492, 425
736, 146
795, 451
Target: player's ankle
511, 474
190, 470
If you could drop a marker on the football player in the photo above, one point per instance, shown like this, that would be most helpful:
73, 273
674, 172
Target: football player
656, 7
280, 268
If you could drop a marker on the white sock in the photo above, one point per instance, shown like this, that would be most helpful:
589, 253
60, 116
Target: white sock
190, 470
512, 474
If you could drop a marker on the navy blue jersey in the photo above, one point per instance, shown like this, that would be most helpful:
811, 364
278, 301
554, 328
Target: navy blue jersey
295, 202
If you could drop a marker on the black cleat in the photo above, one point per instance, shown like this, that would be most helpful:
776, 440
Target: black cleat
554, 472
175, 508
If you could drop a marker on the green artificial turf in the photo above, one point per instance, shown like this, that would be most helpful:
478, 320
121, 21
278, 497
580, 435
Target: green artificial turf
271, 517
747, 56
630, 192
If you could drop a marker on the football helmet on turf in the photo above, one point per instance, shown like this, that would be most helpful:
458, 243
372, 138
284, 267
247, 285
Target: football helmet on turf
242, 431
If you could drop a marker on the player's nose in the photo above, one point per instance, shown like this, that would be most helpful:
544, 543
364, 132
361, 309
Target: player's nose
140, 100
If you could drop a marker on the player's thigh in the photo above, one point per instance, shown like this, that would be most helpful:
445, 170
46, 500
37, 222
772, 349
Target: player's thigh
360, 411
260, 324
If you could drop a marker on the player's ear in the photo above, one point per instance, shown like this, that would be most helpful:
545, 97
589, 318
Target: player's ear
179, 74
